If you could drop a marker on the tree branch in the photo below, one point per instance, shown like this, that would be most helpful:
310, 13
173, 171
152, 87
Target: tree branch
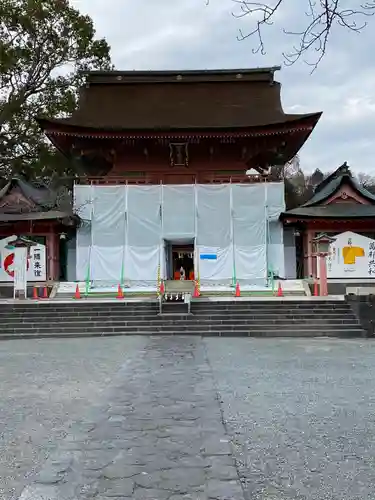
266, 13
323, 16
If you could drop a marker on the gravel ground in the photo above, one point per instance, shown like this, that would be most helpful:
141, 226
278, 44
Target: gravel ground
302, 416
299, 413
44, 386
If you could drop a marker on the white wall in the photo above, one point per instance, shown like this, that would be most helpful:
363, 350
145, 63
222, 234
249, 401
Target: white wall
290, 254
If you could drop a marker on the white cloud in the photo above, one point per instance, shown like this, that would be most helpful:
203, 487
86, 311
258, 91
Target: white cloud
187, 34
358, 108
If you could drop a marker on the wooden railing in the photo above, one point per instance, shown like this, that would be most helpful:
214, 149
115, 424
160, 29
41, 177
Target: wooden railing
217, 179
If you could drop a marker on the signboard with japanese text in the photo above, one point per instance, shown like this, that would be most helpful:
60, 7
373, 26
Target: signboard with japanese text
351, 256
20, 265
36, 262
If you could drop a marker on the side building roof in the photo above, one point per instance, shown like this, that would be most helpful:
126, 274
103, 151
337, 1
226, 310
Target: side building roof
329, 186
333, 211
316, 209
21, 200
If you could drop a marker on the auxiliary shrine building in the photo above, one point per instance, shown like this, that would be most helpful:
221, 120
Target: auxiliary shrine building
344, 210
166, 156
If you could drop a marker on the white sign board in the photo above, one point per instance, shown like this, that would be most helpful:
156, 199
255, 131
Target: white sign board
351, 256
20, 264
36, 262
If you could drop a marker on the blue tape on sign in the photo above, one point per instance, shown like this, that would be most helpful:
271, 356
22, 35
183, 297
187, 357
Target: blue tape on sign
208, 256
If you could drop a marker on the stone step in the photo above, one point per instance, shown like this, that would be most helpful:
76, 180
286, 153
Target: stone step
46, 309
130, 311
42, 306
125, 316
311, 333
203, 312
32, 315
200, 315
179, 320
273, 318
175, 320
196, 302
271, 305
47, 313
157, 329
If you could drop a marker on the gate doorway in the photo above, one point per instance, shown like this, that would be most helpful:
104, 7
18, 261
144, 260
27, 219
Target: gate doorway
179, 255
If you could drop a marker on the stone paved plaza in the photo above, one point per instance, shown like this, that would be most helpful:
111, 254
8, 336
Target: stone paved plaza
187, 418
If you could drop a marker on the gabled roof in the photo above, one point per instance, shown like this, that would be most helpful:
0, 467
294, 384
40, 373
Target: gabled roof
329, 186
36, 203
41, 197
316, 209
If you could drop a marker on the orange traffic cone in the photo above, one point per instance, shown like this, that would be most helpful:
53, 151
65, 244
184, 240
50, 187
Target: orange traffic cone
238, 291
77, 294
120, 293
162, 288
280, 291
45, 293
316, 288
35, 292
196, 291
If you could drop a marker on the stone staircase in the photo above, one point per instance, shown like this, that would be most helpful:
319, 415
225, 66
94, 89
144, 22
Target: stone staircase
272, 318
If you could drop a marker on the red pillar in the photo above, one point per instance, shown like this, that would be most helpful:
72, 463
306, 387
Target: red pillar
53, 261
309, 238
323, 274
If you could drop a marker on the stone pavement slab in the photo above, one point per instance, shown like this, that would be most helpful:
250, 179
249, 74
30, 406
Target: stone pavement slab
191, 418
45, 385
158, 435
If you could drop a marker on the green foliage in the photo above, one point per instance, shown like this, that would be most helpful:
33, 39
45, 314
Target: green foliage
45, 45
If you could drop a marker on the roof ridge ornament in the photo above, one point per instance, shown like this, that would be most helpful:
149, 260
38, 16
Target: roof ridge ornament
344, 169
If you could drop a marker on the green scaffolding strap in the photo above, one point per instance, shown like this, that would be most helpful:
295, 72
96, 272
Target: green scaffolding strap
122, 276
271, 279
234, 277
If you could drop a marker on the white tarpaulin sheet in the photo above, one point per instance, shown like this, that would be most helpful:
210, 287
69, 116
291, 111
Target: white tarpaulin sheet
128, 225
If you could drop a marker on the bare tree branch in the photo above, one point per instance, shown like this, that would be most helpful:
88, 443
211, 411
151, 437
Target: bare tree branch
323, 16
266, 13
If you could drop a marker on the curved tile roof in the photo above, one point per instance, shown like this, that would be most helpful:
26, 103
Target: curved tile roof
178, 100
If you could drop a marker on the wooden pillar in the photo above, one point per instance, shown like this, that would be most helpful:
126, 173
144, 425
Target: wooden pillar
310, 267
53, 260
305, 254
308, 264
323, 274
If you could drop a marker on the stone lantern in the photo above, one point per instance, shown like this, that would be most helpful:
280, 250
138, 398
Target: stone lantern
321, 244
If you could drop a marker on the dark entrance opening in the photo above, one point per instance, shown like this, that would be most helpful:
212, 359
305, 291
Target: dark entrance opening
63, 259
179, 255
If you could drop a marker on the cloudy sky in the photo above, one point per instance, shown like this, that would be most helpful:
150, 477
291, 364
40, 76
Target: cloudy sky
188, 34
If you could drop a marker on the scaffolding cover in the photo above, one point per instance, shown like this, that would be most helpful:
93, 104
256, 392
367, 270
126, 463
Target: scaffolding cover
128, 227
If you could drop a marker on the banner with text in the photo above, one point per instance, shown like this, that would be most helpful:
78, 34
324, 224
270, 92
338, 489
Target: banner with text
36, 262
351, 256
